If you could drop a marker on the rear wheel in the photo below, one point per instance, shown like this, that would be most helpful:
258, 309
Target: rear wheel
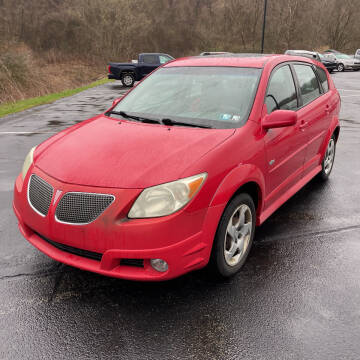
128, 79
340, 67
234, 236
328, 161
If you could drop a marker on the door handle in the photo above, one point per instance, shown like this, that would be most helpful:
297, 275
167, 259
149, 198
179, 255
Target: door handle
303, 125
327, 109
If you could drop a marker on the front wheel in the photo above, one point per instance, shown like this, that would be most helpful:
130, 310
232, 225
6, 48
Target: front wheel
234, 236
340, 67
128, 80
328, 161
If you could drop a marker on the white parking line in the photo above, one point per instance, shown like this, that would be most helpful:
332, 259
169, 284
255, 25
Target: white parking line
347, 90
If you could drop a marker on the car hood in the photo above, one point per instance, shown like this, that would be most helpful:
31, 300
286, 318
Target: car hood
107, 153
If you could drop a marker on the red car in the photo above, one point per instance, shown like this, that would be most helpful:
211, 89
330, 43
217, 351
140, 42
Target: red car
179, 171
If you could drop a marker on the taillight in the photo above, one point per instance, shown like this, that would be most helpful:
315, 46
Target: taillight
109, 69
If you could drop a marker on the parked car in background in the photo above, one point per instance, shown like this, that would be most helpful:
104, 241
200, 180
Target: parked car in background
309, 54
331, 51
357, 54
329, 64
128, 73
179, 171
206, 53
346, 62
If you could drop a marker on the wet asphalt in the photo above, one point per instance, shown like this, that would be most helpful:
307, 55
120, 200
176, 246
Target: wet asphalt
298, 296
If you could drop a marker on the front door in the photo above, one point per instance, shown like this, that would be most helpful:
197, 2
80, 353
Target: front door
285, 147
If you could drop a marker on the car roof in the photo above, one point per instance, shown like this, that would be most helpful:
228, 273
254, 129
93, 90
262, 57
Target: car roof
236, 60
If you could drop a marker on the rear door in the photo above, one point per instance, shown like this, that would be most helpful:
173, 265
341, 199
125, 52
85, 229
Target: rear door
285, 147
149, 63
314, 114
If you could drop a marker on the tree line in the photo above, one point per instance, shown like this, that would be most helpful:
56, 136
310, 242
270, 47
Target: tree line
104, 30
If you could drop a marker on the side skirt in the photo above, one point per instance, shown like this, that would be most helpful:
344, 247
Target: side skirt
292, 191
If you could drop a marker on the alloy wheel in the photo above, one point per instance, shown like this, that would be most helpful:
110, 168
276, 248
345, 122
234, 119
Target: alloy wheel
238, 235
128, 80
329, 156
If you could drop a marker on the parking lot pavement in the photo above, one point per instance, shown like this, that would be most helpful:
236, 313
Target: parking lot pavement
297, 297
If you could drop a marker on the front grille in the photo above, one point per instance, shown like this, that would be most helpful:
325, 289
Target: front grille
39, 194
82, 208
72, 250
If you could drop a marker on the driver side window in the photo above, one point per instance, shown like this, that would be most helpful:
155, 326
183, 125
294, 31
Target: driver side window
281, 93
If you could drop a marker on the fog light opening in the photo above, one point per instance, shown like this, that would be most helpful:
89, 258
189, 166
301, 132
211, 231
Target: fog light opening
159, 265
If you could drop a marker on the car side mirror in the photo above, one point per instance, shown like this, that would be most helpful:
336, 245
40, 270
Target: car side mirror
279, 118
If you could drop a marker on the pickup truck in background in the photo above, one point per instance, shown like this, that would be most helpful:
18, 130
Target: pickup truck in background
128, 73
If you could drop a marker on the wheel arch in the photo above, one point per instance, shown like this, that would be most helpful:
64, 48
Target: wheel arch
253, 189
244, 178
336, 132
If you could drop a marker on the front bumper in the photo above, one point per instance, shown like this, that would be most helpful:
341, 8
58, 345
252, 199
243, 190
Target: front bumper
331, 67
179, 239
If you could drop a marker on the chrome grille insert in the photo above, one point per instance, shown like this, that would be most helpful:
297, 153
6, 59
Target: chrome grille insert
39, 194
82, 208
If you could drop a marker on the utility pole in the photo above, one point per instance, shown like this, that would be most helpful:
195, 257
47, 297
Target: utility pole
263, 28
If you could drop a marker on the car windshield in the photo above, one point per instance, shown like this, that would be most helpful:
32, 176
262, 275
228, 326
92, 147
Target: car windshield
343, 56
219, 97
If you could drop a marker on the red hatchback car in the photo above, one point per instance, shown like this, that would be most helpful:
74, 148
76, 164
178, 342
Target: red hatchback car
179, 171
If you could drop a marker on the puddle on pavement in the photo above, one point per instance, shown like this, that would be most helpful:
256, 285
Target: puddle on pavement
350, 121
55, 122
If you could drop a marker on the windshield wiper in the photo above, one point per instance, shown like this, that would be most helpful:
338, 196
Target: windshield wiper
137, 118
167, 121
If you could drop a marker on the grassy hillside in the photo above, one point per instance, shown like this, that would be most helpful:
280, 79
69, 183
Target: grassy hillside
24, 74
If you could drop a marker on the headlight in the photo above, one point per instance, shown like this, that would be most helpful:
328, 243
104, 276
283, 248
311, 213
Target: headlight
27, 162
167, 198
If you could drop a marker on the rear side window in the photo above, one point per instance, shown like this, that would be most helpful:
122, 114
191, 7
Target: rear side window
309, 85
281, 93
151, 59
323, 79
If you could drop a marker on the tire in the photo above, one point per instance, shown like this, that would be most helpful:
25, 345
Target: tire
128, 79
328, 161
221, 261
340, 67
